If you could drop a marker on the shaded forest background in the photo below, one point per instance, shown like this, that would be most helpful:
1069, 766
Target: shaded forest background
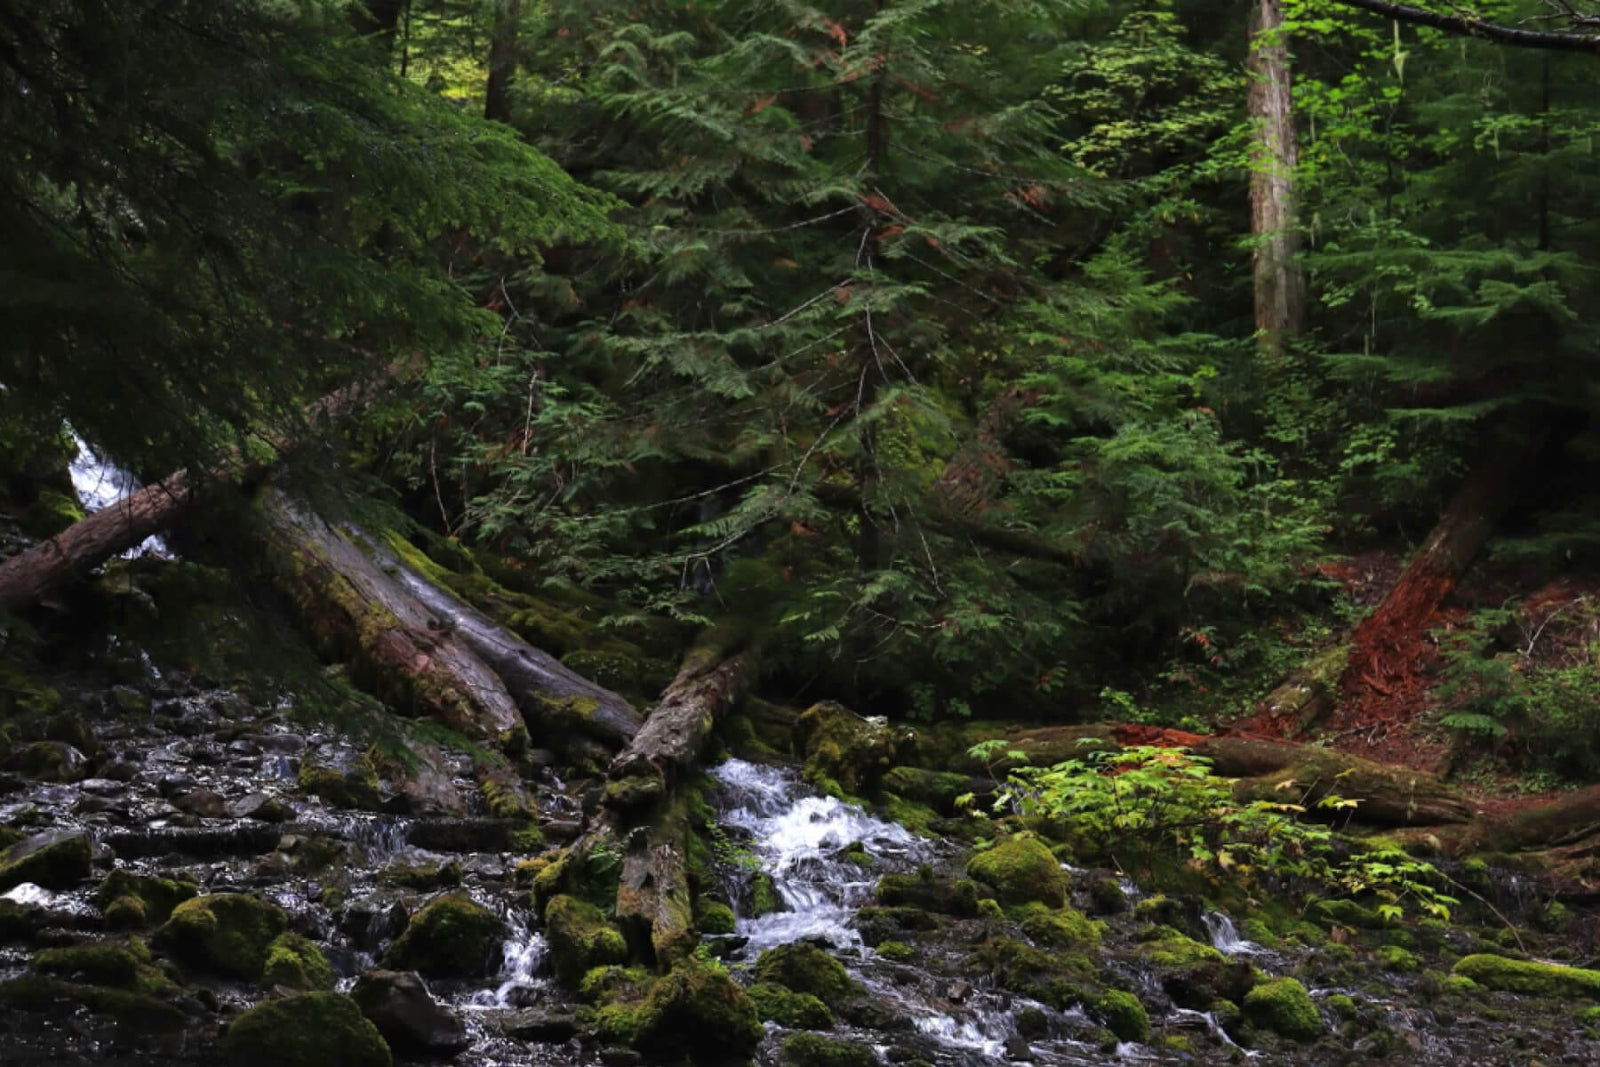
920, 343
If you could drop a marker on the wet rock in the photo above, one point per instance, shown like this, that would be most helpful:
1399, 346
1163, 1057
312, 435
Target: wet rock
807, 969
844, 752
371, 921
131, 901
693, 1012
411, 1021
1284, 1007
103, 787
281, 744
580, 939
205, 803
1123, 1014
1021, 870
49, 761
122, 771
1016, 1047
261, 807
1197, 988
243, 749
778, 1004
354, 785
296, 963
546, 1025
310, 1030
462, 835
173, 785
55, 859
815, 1050
1107, 897
227, 933
451, 937
201, 842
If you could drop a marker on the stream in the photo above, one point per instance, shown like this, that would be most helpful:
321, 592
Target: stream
179, 778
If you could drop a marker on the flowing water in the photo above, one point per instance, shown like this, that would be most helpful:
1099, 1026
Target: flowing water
100, 484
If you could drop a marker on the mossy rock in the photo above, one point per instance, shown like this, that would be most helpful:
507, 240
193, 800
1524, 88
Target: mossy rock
1459, 985
1346, 913
1122, 1014
1057, 978
581, 939
1397, 960
938, 790
309, 1030
845, 753
51, 512
227, 933
452, 936
295, 962
764, 898
132, 900
928, 894
1284, 1007
1529, 978
694, 1012
426, 876
1064, 927
114, 964
1108, 897
715, 917
807, 969
133, 1009
1021, 870
55, 859
796, 1011
1173, 951
354, 786
815, 1050
896, 951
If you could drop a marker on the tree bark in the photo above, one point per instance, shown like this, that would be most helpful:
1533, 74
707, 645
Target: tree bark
502, 60
668, 747
550, 694
1466, 25
1384, 642
378, 18
1279, 289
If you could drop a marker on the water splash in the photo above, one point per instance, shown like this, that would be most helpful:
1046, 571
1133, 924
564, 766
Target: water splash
1225, 937
798, 840
100, 484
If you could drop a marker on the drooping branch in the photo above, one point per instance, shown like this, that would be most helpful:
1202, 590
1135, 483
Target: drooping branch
1468, 25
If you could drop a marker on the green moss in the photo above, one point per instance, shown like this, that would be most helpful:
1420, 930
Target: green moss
1529, 978
777, 1004
1021, 870
54, 860
1397, 960
764, 898
1459, 985
131, 1008
580, 938
424, 876
1064, 927
453, 936
50, 513
694, 1011
118, 965
989, 908
1054, 978
1107, 897
132, 900
613, 981
815, 1050
1284, 1007
896, 951
635, 792
1123, 1015
355, 786
807, 969
310, 1030
1176, 951
844, 754
228, 933
715, 917
916, 817
297, 963
1345, 913
1342, 1006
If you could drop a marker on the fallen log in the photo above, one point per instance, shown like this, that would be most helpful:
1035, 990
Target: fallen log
549, 693
357, 610
28, 575
668, 747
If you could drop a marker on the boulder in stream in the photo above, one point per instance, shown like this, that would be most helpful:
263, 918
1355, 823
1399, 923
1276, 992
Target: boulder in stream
1021, 870
453, 936
310, 1030
227, 933
411, 1021
55, 859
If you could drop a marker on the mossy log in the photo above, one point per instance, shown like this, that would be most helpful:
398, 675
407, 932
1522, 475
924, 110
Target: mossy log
548, 692
28, 575
668, 747
654, 905
1310, 692
356, 609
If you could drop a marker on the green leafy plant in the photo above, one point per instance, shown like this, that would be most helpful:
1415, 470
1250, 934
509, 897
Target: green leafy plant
1140, 805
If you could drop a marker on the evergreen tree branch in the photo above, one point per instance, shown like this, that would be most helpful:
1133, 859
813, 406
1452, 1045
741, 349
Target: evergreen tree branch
1468, 25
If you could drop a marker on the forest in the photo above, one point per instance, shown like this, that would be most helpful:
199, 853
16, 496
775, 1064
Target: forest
810, 533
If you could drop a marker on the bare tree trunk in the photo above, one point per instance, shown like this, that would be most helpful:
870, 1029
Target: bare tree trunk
502, 60
1279, 289
378, 18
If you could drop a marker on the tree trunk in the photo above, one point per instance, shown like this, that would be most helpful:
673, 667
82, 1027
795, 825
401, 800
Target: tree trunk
31, 573
502, 60
378, 18
667, 748
549, 693
1279, 289
1385, 643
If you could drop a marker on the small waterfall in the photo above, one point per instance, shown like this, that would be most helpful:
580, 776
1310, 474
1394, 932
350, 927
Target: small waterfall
523, 956
100, 484
797, 839
1225, 937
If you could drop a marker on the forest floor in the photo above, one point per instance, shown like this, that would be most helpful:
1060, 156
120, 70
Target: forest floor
1391, 702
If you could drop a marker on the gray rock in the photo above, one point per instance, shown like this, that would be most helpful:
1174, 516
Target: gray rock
102, 787
411, 1021
281, 744
541, 1024
204, 803
260, 806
